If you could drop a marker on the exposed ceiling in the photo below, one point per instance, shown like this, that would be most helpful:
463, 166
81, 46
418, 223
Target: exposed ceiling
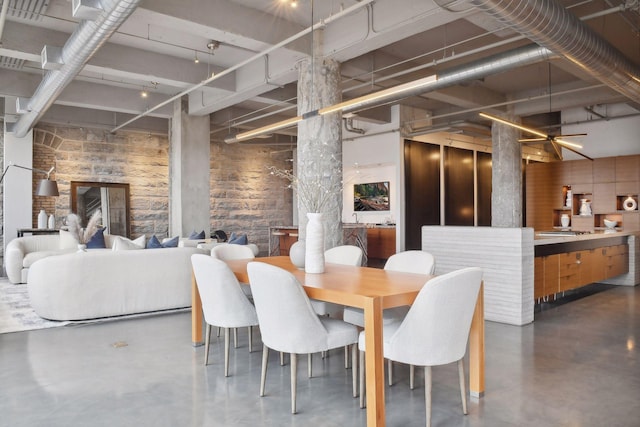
380, 44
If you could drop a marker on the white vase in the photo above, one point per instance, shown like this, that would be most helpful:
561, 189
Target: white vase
52, 222
629, 204
82, 247
314, 244
42, 219
297, 254
564, 220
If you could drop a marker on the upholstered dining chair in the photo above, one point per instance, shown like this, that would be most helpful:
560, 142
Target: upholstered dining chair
413, 261
289, 324
223, 302
436, 329
231, 251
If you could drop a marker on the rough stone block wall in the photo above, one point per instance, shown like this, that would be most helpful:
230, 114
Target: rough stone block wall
245, 197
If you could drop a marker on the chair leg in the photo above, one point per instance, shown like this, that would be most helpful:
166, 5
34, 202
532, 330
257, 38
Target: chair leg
207, 338
354, 368
226, 351
362, 383
218, 333
250, 338
281, 358
346, 357
427, 393
463, 388
309, 365
263, 376
412, 376
390, 372
235, 337
294, 371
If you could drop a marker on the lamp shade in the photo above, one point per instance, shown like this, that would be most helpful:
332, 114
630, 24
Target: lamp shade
47, 188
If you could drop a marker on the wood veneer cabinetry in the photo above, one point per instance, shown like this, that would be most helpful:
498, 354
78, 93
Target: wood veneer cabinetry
381, 242
569, 270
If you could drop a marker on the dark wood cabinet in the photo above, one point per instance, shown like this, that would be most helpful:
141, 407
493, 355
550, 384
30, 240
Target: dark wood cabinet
381, 242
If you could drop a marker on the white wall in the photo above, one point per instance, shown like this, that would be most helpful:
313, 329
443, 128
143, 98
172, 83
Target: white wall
605, 138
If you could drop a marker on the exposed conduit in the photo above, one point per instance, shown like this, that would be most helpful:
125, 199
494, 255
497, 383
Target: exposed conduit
79, 48
550, 25
3, 17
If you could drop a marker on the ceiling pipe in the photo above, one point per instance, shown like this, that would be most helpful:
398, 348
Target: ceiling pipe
550, 25
3, 17
79, 48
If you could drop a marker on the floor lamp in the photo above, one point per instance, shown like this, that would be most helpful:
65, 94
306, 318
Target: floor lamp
45, 187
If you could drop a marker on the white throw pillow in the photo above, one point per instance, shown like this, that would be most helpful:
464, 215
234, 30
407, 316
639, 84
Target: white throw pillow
123, 244
67, 241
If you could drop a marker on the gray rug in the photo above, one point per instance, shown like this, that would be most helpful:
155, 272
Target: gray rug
16, 314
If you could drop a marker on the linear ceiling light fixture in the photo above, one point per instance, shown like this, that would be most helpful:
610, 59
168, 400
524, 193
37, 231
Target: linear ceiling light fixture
352, 105
529, 130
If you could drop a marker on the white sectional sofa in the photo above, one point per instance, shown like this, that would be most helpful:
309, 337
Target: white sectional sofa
22, 252
102, 283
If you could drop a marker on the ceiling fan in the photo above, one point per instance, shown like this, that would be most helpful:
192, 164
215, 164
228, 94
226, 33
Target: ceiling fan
556, 141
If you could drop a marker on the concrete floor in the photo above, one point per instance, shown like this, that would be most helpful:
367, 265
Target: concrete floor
576, 365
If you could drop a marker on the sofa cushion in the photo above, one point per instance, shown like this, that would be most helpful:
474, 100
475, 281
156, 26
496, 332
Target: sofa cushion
32, 257
154, 243
67, 241
123, 244
238, 239
97, 240
197, 236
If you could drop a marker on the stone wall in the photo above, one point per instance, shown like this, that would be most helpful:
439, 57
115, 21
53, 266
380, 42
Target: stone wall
245, 198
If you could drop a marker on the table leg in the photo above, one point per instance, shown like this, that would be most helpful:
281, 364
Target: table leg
476, 348
196, 314
374, 362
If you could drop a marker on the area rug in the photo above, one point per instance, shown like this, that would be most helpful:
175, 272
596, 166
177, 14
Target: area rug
16, 313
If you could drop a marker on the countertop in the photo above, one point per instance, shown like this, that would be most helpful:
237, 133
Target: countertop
599, 234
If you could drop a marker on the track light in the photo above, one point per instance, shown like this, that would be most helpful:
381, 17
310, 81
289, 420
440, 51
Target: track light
195, 59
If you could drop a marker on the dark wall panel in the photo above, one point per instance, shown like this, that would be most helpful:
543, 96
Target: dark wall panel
484, 188
422, 189
458, 186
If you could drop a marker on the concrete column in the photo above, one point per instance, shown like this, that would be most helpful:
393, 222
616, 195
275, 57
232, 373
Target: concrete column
189, 167
506, 196
319, 167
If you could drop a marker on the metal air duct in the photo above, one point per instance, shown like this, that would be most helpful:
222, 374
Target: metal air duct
550, 25
79, 48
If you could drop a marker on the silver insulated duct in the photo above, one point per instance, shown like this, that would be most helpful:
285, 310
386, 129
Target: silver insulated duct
550, 25
79, 48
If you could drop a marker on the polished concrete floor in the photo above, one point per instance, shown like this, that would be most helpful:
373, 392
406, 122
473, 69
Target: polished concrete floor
577, 365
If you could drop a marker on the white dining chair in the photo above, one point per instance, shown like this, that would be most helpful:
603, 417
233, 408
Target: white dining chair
223, 302
435, 331
227, 252
289, 324
413, 261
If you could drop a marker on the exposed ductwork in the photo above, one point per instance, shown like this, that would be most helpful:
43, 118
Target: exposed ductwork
550, 25
79, 48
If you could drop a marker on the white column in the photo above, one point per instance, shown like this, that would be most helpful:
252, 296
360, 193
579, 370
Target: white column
189, 170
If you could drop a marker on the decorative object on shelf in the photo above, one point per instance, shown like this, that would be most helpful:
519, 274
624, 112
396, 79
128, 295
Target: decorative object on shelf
52, 222
565, 220
585, 207
568, 200
297, 254
630, 204
610, 224
314, 245
83, 235
42, 219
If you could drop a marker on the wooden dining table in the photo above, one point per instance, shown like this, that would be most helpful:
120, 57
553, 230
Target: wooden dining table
373, 290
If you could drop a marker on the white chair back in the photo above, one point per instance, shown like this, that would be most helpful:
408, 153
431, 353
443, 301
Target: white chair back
224, 304
420, 262
345, 254
436, 328
287, 320
229, 251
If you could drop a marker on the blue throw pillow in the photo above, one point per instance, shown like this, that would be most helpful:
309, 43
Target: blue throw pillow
154, 243
97, 240
197, 236
238, 239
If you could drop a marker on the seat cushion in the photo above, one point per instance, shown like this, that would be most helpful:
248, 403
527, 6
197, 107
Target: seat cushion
32, 257
340, 333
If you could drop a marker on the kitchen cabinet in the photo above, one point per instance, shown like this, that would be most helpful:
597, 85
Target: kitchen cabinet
381, 242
